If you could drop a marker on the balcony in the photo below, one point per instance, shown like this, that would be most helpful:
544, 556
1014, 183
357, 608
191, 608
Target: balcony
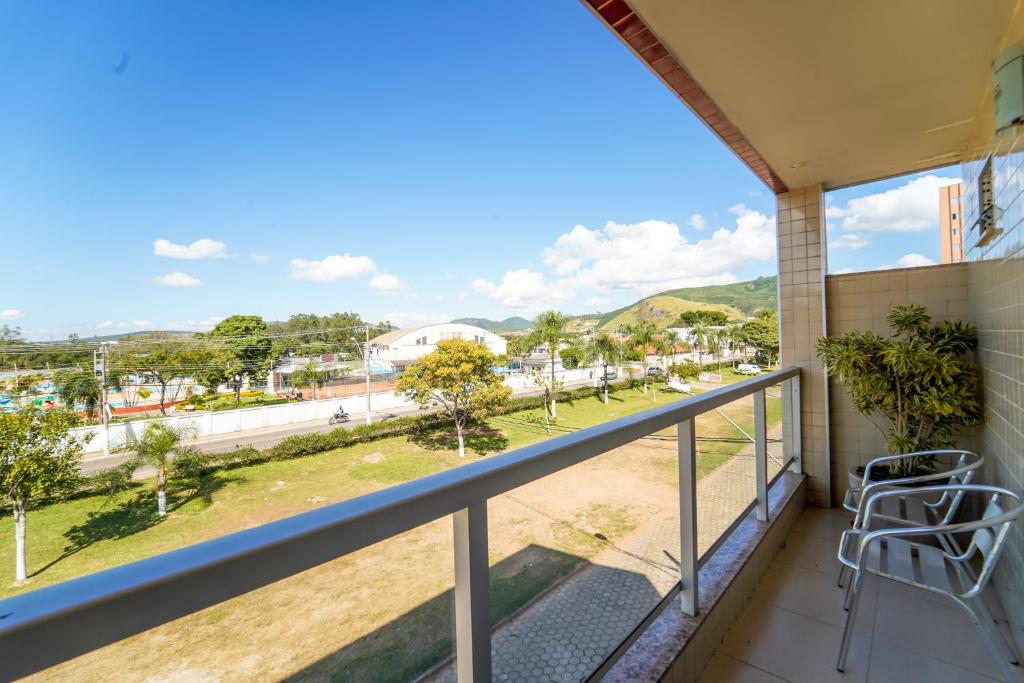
680, 558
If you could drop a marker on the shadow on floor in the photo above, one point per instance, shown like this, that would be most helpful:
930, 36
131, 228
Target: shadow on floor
423, 638
479, 439
136, 514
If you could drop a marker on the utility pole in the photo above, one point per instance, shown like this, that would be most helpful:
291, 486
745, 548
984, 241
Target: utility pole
103, 396
366, 364
366, 369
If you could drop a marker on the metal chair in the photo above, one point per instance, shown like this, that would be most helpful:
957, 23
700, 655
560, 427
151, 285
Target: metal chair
887, 554
913, 510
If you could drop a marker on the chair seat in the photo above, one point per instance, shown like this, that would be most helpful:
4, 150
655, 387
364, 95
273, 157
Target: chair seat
916, 564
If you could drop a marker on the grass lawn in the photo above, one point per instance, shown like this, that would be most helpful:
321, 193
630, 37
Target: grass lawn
388, 603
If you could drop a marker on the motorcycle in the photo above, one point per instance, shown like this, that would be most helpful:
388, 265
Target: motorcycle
338, 417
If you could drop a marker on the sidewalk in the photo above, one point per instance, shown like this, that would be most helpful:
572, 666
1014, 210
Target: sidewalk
566, 635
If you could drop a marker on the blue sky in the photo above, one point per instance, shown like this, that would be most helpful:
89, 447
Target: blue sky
168, 164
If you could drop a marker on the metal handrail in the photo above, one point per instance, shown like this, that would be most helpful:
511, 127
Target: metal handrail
86, 613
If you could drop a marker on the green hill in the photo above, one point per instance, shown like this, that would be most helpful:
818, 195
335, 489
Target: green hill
513, 324
736, 300
663, 310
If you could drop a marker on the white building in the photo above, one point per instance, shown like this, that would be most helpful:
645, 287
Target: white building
395, 350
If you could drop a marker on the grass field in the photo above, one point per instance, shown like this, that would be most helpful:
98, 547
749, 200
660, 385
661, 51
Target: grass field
388, 603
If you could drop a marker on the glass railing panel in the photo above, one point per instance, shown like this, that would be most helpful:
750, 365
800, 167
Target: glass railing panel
725, 468
381, 614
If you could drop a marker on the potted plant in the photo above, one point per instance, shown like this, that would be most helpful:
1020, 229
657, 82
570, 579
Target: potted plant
917, 386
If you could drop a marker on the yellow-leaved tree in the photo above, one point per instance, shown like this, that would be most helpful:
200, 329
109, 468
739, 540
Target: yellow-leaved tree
459, 379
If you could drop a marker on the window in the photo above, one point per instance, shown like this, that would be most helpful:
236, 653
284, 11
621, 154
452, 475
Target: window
954, 215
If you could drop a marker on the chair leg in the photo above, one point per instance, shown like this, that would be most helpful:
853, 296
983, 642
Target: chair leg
856, 581
848, 596
842, 575
986, 637
1009, 648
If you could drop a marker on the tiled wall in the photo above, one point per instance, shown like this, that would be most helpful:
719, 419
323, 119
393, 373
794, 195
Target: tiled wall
861, 301
802, 267
996, 294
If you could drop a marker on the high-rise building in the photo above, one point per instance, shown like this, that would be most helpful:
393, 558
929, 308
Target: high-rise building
951, 223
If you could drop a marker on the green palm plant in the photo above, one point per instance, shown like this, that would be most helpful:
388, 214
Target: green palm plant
699, 337
917, 379
604, 348
78, 385
642, 336
159, 445
550, 328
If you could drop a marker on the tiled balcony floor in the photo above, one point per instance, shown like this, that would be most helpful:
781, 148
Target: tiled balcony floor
791, 628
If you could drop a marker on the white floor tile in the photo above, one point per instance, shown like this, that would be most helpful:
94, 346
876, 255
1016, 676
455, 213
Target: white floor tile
814, 594
724, 669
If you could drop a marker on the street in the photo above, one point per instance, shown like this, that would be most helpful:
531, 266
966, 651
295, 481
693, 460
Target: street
267, 437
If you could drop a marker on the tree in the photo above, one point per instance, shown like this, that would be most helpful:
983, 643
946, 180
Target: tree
39, 459
732, 334
672, 340
762, 333
310, 375
699, 337
165, 358
707, 317
78, 385
642, 336
602, 346
457, 376
685, 370
549, 328
916, 378
246, 343
158, 445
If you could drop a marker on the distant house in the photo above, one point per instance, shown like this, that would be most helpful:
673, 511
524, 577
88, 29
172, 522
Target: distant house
393, 351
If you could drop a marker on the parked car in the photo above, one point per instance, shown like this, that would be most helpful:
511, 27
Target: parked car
609, 376
655, 372
748, 369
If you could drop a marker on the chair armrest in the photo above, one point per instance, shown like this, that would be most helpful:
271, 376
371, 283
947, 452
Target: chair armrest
903, 456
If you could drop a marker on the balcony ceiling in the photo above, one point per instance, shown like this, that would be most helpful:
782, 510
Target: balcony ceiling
832, 92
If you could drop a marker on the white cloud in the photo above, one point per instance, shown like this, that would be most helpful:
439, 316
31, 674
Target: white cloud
450, 276
849, 241
259, 258
597, 302
402, 319
908, 261
912, 207
11, 314
698, 222
332, 268
194, 325
200, 249
524, 290
178, 279
653, 256
842, 271
386, 282
122, 325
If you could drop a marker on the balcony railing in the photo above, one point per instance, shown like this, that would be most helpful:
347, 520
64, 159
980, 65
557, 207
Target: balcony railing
51, 625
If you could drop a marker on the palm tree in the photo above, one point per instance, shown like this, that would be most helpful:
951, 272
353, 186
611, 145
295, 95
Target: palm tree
671, 338
734, 340
715, 346
549, 328
699, 336
310, 374
158, 445
78, 386
603, 346
641, 335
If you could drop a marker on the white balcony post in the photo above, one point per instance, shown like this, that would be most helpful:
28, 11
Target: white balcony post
797, 438
472, 593
761, 455
688, 570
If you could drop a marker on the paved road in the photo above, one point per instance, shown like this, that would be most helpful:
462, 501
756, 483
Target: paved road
268, 436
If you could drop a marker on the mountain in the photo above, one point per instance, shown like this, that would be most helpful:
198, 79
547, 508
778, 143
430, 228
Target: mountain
737, 300
513, 324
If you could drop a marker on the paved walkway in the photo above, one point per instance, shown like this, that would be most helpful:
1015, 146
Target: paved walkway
568, 633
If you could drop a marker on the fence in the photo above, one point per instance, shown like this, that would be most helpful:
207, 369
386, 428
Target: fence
87, 613
210, 423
